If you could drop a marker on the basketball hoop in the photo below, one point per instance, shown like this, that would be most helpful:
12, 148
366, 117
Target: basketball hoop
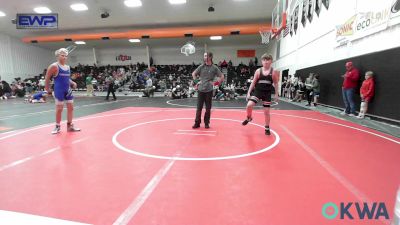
70, 48
188, 48
275, 33
265, 36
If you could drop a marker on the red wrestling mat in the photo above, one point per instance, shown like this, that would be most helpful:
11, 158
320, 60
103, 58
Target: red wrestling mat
147, 166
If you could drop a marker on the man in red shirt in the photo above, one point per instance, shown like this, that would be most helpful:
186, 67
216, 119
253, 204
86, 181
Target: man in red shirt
351, 78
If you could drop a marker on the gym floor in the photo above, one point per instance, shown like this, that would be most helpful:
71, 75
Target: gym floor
137, 161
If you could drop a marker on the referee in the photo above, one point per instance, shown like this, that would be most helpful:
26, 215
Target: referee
206, 72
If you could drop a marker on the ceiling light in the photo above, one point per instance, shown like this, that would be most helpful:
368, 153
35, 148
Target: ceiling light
42, 10
79, 7
2, 14
80, 42
133, 3
134, 40
216, 38
177, 2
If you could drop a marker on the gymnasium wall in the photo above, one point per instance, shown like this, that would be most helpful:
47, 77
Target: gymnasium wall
384, 64
316, 44
21, 60
161, 55
315, 48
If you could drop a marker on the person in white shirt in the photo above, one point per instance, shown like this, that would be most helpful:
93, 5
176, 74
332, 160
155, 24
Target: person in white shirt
149, 90
41, 84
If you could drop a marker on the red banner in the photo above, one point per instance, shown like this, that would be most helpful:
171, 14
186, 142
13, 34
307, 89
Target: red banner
246, 53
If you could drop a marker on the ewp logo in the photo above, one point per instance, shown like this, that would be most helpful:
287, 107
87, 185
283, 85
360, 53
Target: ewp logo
37, 21
331, 211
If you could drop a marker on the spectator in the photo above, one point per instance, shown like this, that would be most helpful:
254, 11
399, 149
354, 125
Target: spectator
224, 64
309, 88
350, 82
178, 92
41, 83
288, 87
89, 85
294, 86
17, 89
367, 91
283, 86
300, 91
316, 89
94, 83
251, 63
29, 88
149, 89
6, 90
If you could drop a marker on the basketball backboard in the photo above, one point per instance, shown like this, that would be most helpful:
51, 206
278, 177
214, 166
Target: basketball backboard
279, 18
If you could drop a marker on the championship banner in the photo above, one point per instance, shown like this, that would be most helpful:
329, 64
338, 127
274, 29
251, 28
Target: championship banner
395, 13
291, 25
318, 4
292, 15
288, 26
310, 12
326, 3
304, 13
296, 19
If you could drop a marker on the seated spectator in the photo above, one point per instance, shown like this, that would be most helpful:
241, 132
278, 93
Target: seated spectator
300, 91
178, 92
18, 89
6, 90
149, 89
29, 88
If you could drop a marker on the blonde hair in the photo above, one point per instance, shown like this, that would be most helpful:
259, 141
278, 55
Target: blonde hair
369, 73
61, 50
